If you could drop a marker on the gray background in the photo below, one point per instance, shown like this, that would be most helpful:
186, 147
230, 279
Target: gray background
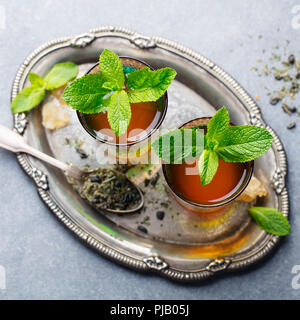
42, 259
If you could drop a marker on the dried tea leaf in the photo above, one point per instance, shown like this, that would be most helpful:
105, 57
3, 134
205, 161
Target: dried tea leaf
54, 117
254, 189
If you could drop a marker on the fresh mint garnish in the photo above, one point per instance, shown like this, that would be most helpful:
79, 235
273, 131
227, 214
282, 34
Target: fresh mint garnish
222, 141
106, 90
208, 164
119, 112
217, 127
179, 145
33, 95
36, 80
270, 220
60, 75
27, 99
88, 94
244, 143
146, 85
112, 69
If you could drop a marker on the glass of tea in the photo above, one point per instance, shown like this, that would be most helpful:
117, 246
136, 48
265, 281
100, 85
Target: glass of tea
184, 181
146, 117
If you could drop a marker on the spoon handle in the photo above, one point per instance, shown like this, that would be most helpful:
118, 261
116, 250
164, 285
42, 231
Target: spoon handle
12, 141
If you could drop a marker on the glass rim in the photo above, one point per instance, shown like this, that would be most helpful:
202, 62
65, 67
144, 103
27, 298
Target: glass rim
80, 115
249, 173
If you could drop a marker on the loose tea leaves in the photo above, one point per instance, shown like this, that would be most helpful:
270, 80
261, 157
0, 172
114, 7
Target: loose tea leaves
107, 189
283, 68
292, 125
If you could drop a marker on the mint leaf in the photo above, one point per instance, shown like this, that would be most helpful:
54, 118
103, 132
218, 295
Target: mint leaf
60, 75
208, 165
270, 220
244, 143
109, 85
119, 112
179, 145
27, 99
87, 94
146, 85
217, 127
36, 80
112, 69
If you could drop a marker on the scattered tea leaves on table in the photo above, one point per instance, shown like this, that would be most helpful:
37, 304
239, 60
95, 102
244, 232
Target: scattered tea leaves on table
283, 68
291, 125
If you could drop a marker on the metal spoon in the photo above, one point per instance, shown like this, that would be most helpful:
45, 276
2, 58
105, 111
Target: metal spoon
14, 142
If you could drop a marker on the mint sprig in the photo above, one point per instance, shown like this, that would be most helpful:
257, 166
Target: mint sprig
229, 143
106, 90
233, 143
59, 75
270, 220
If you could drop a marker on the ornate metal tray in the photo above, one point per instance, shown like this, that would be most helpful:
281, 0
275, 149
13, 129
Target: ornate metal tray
183, 246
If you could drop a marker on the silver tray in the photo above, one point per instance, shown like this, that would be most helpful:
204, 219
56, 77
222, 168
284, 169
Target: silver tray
184, 246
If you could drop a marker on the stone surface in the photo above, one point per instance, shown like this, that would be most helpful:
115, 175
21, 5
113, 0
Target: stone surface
43, 260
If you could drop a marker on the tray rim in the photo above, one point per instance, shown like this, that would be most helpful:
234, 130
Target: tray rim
153, 263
